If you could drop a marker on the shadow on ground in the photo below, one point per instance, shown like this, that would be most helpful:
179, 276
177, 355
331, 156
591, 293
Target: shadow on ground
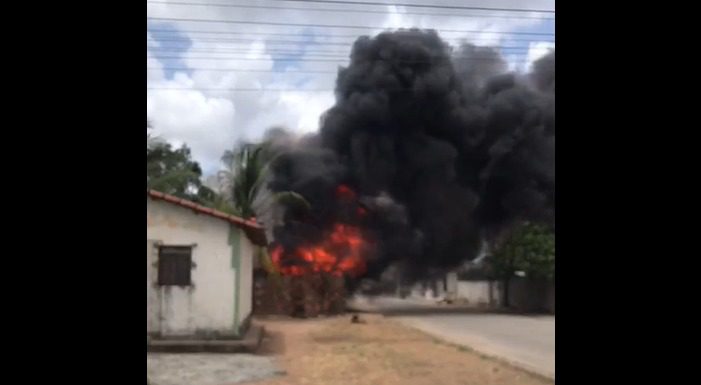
273, 343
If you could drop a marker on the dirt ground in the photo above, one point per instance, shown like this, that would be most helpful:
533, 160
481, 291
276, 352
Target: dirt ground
333, 351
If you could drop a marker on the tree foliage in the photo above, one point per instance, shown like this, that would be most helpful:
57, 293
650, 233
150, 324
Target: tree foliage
244, 176
173, 171
244, 182
530, 248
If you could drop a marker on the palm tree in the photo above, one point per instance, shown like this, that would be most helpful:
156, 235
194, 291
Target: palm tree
243, 178
244, 186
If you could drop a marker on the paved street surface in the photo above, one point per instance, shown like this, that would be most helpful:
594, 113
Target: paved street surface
526, 341
208, 369
388, 304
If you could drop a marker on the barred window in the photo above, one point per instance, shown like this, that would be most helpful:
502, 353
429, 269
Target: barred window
174, 265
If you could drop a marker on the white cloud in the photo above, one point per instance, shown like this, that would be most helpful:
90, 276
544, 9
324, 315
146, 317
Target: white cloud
539, 49
310, 106
205, 124
212, 121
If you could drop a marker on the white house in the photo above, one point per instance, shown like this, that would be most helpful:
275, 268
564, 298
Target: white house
199, 269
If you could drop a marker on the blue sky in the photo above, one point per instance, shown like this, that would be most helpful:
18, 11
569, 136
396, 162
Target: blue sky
514, 40
164, 34
227, 117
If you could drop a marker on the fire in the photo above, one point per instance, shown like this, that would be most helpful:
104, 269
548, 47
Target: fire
345, 192
340, 252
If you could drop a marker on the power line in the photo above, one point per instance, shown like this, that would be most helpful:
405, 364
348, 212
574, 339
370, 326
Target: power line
286, 52
350, 10
354, 36
247, 70
241, 70
297, 42
330, 25
317, 57
185, 43
304, 59
246, 50
242, 56
269, 89
301, 50
249, 59
421, 5
214, 40
240, 89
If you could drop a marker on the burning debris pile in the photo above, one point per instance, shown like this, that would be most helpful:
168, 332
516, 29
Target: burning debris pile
426, 153
337, 251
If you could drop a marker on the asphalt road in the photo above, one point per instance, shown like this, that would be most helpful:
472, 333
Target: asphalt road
525, 341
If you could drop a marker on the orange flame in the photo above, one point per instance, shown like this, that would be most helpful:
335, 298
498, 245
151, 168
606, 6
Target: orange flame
339, 253
345, 192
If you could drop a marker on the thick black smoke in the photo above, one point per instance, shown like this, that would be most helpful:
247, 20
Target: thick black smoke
475, 65
442, 149
544, 73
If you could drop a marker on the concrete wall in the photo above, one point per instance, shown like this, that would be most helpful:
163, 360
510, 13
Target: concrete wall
152, 302
431, 289
524, 294
528, 295
550, 303
480, 292
451, 282
207, 306
246, 276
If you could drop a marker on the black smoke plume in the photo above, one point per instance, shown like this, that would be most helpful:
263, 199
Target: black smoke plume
441, 148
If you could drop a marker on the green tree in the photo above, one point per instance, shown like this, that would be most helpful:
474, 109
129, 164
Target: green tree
172, 171
528, 248
244, 176
244, 181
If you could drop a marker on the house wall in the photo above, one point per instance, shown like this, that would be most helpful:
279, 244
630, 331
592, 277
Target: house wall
208, 306
246, 277
152, 319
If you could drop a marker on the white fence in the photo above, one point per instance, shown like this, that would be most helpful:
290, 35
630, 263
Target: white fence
523, 294
484, 293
